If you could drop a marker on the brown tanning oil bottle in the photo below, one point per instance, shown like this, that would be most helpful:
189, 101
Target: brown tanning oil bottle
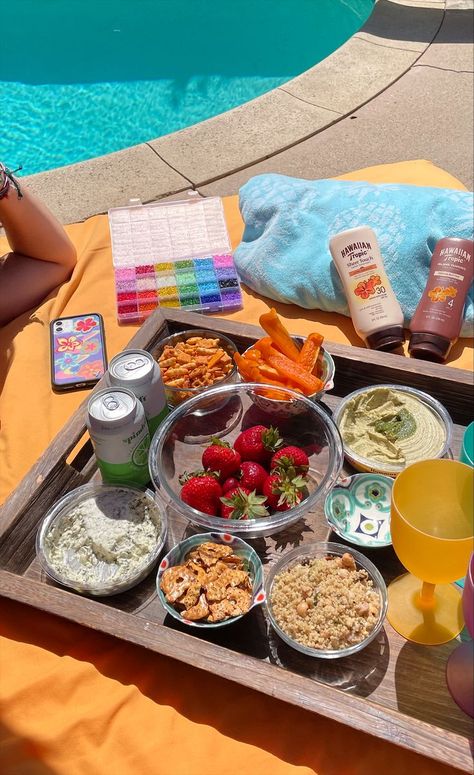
436, 324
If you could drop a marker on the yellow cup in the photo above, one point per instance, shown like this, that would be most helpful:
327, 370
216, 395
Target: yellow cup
432, 518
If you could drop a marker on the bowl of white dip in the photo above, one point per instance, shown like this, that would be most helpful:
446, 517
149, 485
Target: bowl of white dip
102, 539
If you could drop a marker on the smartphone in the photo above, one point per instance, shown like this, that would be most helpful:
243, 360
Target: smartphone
78, 358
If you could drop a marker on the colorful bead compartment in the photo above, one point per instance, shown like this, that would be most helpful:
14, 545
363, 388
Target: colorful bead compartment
208, 284
172, 255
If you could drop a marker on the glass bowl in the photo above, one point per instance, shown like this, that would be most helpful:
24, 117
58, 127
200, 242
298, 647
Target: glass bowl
319, 550
180, 440
361, 463
252, 563
176, 395
105, 584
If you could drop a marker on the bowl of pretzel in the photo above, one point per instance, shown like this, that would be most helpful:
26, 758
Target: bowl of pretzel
210, 580
192, 361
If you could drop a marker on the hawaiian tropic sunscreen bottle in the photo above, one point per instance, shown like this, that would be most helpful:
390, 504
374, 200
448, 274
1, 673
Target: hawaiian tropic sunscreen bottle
375, 311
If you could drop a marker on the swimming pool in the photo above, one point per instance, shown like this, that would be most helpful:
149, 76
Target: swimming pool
79, 78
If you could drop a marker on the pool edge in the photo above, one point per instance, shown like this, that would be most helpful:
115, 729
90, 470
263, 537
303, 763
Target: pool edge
376, 56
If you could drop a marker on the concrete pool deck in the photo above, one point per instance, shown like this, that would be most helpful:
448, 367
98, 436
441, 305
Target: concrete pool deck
401, 88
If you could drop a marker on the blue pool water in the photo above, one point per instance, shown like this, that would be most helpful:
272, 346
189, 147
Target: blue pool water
80, 78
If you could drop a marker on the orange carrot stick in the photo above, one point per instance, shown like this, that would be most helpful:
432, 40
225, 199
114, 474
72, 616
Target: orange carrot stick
266, 371
265, 341
271, 381
247, 369
253, 355
308, 355
291, 371
272, 324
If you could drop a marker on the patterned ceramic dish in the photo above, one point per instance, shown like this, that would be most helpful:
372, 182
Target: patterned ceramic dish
358, 509
252, 565
290, 408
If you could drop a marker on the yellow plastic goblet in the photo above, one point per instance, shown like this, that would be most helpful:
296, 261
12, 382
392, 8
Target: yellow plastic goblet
432, 534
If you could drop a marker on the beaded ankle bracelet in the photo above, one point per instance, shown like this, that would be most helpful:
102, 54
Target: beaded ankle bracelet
7, 180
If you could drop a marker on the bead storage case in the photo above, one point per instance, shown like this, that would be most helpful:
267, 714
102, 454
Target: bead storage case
172, 254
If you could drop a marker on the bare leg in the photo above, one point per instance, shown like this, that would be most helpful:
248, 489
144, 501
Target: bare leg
42, 254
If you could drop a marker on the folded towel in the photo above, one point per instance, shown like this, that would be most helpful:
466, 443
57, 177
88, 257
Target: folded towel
284, 253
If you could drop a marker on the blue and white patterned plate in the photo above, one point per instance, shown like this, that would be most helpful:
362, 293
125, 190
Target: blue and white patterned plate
252, 564
358, 509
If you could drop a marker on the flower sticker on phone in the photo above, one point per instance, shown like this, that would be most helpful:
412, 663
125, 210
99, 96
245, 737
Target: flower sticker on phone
86, 324
68, 343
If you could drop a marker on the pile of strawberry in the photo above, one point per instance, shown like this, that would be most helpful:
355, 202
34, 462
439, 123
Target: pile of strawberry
254, 478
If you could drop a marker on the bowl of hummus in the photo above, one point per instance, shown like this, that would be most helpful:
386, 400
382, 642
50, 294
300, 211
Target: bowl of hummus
384, 428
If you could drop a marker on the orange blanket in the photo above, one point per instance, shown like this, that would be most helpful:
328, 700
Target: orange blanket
74, 701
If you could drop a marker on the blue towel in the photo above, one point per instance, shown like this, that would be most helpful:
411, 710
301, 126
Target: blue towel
284, 253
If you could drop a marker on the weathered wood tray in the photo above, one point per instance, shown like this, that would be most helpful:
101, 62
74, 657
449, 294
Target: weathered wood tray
393, 689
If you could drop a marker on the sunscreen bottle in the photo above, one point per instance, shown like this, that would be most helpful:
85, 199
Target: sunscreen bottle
375, 311
436, 324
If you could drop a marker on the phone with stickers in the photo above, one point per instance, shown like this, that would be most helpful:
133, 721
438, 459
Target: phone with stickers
78, 357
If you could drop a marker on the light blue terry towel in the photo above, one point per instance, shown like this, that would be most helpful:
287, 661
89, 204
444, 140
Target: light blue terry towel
284, 253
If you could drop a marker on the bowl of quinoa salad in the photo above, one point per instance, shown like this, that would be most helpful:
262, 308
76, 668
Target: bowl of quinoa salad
326, 600
102, 539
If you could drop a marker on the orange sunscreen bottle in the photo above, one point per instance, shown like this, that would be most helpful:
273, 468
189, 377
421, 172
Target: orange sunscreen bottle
375, 311
436, 324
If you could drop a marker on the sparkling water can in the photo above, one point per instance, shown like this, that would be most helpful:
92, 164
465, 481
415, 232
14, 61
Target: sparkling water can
138, 371
119, 432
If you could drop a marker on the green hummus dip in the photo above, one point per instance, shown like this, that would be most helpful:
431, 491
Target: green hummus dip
391, 426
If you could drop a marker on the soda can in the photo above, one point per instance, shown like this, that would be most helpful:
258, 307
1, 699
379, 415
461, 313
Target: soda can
119, 433
138, 371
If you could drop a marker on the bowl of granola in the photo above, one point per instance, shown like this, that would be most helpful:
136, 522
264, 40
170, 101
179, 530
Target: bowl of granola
210, 580
325, 600
192, 361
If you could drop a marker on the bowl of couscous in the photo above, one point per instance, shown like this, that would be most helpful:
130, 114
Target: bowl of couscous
326, 600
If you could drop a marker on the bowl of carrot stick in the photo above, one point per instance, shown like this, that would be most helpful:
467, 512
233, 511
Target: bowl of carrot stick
279, 360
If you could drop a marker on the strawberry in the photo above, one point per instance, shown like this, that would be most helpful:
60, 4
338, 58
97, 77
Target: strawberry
220, 456
253, 475
242, 503
202, 491
229, 484
288, 457
284, 490
258, 443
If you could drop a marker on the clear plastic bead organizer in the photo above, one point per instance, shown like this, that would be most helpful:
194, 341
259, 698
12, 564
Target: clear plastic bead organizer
172, 254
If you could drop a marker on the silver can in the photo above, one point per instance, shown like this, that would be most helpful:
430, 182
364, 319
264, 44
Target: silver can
138, 371
119, 432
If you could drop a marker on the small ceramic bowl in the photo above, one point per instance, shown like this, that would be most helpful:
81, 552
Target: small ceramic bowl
176, 395
178, 554
291, 408
358, 510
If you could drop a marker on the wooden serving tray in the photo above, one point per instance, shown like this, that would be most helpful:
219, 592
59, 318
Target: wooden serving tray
393, 689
